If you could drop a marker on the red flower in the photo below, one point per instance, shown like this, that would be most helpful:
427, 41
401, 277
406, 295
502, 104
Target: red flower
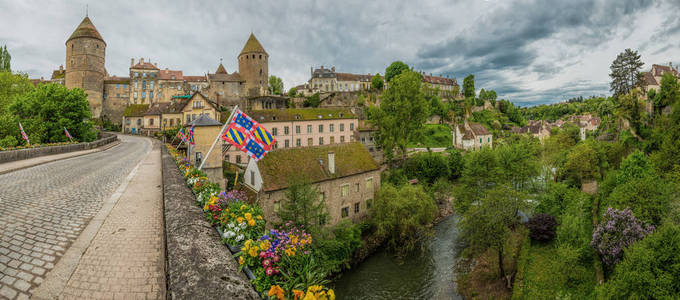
269, 271
266, 263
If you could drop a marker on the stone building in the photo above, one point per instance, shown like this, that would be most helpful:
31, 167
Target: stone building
116, 93
365, 134
253, 67
306, 127
85, 58
206, 130
652, 79
345, 175
133, 118
324, 80
197, 106
448, 87
471, 136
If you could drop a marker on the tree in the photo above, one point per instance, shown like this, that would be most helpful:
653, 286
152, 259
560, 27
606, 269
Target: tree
617, 230
377, 82
403, 216
312, 101
625, 72
650, 269
11, 87
401, 114
455, 163
275, 85
486, 226
5, 59
469, 86
303, 206
542, 227
395, 69
292, 92
669, 92
582, 164
427, 167
519, 162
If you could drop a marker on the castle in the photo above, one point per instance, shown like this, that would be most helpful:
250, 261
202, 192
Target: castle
147, 84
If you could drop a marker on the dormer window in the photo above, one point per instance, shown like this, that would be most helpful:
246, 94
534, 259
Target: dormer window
320, 116
297, 117
273, 118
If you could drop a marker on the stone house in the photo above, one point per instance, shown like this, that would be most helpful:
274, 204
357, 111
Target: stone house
133, 118
446, 85
152, 118
537, 128
345, 175
471, 136
172, 115
199, 105
206, 130
365, 134
304, 127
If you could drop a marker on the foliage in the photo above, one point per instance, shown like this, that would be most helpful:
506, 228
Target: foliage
669, 92
618, 230
303, 207
402, 215
377, 82
630, 107
275, 85
648, 198
649, 270
432, 136
401, 114
5, 59
292, 92
395, 69
427, 167
556, 198
469, 86
455, 162
335, 246
518, 161
625, 72
11, 87
312, 101
542, 227
238, 220
582, 164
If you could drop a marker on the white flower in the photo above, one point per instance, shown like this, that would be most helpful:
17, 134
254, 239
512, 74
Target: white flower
243, 225
229, 234
240, 237
230, 225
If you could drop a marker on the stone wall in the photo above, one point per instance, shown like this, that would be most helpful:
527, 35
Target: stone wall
14, 155
198, 266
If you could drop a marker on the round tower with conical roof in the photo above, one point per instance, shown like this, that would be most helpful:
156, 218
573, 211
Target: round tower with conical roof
85, 57
253, 67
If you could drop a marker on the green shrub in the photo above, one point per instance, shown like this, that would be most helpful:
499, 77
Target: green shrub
8, 141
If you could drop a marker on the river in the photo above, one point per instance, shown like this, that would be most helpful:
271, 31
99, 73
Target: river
424, 276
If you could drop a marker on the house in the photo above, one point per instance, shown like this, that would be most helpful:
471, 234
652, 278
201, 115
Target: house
302, 127
199, 105
652, 79
365, 134
345, 175
152, 118
537, 128
133, 118
471, 136
206, 130
172, 115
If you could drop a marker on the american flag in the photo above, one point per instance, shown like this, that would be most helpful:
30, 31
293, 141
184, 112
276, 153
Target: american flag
23, 134
68, 135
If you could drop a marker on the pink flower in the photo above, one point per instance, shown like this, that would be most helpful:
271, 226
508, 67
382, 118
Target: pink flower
269, 271
266, 263
277, 258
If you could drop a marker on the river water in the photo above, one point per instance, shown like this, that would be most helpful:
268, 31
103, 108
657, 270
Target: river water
428, 275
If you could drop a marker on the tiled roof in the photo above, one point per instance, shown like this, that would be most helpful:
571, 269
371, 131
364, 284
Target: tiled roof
168, 74
253, 45
156, 109
86, 30
439, 80
221, 69
175, 107
203, 120
353, 77
479, 129
146, 66
300, 114
323, 73
660, 70
280, 166
194, 78
198, 94
135, 110
649, 78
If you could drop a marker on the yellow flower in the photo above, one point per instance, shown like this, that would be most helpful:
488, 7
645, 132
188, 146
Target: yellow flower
247, 244
276, 290
253, 251
314, 288
331, 295
239, 220
205, 207
294, 240
309, 296
251, 222
243, 207
259, 217
298, 294
248, 216
241, 260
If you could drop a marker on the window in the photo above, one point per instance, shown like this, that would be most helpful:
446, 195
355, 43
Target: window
369, 203
480, 140
342, 127
297, 129
369, 183
104, 95
252, 178
143, 95
298, 143
344, 190
117, 95
226, 158
117, 85
287, 143
171, 121
144, 83
320, 128
345, 212
139, 122
356, 207
188, 118
286, 130
351, 126
277, 206
135, 95
321, 141
309, 142
151, 95
193, 117
488, 140
275, 131
309, 128
135, 84
125, 86
342, 138
331, 127
238, 159
151, 84
276, 145
150, 122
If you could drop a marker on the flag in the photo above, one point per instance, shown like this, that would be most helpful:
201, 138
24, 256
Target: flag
180, 135
263, 137
23, 134
254, 129
190, 135
243, 121
236, 136
68, 135
255, 150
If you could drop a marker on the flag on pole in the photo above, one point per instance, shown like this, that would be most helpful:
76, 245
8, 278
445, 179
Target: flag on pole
248, 136
180, 135
68, 135
190, 135
23, 134
236, 136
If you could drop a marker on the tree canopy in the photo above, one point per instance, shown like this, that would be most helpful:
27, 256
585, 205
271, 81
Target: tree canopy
625, 72
469, 86
395, 69
5, 59
377, 82
275, 85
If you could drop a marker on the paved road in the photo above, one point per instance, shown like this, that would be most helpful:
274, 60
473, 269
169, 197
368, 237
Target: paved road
44, 209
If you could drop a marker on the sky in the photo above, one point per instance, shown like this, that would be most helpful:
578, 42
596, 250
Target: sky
529, 52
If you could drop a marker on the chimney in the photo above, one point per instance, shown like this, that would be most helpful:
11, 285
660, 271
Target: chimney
61, 67
331, 162
311, 70
141, 60
132, 62
333, 68
155, 64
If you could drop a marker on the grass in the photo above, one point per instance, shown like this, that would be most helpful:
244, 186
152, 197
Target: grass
433, 136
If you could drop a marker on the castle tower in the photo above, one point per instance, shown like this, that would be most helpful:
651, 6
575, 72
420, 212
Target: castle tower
85, 53
253, 67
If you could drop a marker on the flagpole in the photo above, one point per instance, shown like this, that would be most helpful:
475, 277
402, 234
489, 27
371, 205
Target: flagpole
218, 136
180, 144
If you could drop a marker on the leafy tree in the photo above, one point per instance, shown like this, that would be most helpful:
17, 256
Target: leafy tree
455, 163
312, 101
275, 85
486, 226
669, 92
12, 86
650, 269
437, 107
427, 167
303, 206
395, 69
519, 162
5, 59
635, 166
625, 72
292, 92
542, 227
469, 86
648, 197
581, 164
46, 110
618, 230
401, 114
377, 82
402, 215
556, 198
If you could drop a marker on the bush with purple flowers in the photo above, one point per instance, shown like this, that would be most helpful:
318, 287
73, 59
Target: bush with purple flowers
617, 230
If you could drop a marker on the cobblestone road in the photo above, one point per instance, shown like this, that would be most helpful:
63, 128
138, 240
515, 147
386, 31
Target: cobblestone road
43, 210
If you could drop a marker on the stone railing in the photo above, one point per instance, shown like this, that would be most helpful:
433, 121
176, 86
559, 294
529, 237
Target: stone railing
14, 155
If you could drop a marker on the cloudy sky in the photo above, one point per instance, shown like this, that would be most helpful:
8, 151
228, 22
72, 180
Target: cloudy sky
528, 51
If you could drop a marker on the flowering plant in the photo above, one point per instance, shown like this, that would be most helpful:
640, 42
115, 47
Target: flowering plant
241, 221
314, 292
618, 230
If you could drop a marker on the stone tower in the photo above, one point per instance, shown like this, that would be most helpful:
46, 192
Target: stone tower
85, 53
253, 67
